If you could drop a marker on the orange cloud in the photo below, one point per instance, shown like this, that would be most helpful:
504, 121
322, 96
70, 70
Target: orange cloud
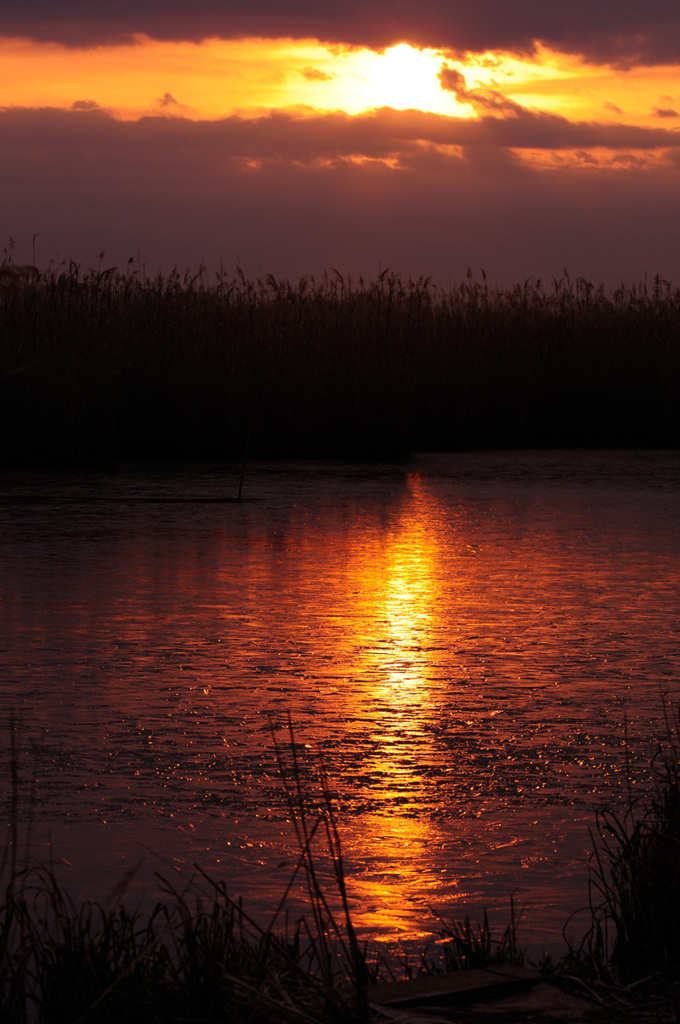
216, 78
314, 75
402, 154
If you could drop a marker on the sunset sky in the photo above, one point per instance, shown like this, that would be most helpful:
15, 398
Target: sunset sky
291, 137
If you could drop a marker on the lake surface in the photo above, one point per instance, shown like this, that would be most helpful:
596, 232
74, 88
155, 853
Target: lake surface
458, 641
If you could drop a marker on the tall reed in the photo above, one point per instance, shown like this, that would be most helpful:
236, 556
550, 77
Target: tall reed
196, 956
101, 364
634, 938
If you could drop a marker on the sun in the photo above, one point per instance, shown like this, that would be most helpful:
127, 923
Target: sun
216, 77
250, 77
402, 77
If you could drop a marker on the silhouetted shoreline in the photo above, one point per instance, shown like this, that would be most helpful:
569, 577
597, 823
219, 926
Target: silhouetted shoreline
101, 366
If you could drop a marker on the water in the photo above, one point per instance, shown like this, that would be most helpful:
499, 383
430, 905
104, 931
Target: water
457, 641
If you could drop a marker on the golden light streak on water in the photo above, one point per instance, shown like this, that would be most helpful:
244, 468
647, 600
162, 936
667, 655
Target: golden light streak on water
458, 647
393, 578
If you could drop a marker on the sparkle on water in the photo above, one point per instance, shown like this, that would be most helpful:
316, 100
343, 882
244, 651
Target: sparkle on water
457, 640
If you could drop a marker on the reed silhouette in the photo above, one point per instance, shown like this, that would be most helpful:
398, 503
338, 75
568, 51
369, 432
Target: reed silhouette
102, 365
197, 956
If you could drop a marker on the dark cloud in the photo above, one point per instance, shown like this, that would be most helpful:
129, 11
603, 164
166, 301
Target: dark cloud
85, 105
626, 31
666, 112
170, 105
294, 196
280, 136
484, 100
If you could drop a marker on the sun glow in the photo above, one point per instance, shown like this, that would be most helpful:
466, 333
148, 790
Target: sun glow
218, 78
565, 84
402, 78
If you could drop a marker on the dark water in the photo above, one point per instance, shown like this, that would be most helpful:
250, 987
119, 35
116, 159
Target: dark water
458, 641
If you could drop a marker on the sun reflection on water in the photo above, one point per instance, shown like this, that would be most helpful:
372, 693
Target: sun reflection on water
457, 656
392, 845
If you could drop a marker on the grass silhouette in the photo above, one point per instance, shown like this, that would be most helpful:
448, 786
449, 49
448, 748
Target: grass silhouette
197, 956
102, 365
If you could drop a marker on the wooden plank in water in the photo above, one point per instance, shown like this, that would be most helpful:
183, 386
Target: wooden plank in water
474, 985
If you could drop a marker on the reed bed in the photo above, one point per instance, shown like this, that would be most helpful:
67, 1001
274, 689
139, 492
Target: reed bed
104, 364
195, 957
634, 938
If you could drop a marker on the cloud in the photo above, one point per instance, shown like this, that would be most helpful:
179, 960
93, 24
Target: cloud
172, 106
85, 105
315, 75
167, 100
295, 195
624, 31
665, 112
483, 100
386, 134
